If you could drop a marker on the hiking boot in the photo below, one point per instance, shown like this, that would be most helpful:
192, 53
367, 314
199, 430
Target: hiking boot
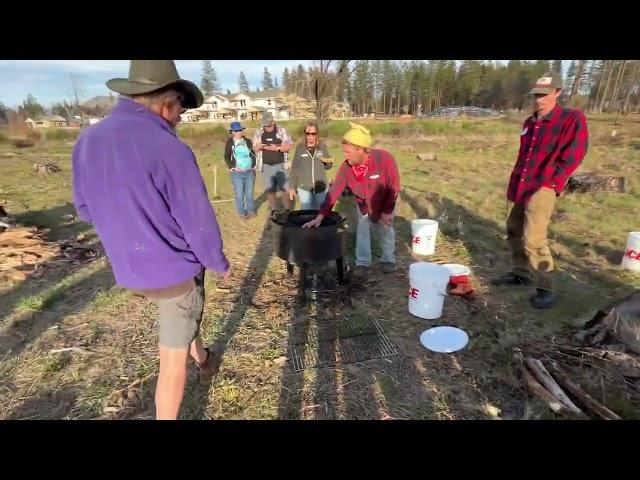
388, 267
210, 367
361, 272
542, 299
512, 279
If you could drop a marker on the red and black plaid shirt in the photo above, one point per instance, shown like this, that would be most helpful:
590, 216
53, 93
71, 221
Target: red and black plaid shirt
550, 150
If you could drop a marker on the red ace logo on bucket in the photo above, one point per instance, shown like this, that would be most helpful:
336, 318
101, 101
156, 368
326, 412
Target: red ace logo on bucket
632, 254
413, 293
416, 239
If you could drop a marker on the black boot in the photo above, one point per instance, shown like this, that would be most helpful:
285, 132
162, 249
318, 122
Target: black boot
511, 279
542, 299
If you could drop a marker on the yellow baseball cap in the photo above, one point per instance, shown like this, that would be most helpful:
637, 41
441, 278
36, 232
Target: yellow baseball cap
358, 135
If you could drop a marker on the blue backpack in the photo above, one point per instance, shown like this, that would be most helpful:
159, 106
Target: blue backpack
242, 155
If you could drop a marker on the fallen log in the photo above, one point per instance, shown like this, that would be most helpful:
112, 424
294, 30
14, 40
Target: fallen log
586, 399
591, 182
544, 377
426, 156
539, 391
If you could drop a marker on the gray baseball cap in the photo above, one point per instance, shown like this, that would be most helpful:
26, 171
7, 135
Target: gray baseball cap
547, 84
267, 119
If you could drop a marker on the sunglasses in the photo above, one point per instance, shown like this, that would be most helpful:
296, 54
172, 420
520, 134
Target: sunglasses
311, 133
235, 131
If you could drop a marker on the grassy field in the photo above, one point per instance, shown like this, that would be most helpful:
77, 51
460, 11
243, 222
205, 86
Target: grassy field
74, 345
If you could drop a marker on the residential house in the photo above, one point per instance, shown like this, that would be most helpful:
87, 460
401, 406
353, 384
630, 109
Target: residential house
54, 121
241, 106
270, 101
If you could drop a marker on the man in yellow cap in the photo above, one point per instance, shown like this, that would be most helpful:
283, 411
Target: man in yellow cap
372, 175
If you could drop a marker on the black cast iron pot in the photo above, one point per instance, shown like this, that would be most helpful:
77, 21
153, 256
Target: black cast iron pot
299, 245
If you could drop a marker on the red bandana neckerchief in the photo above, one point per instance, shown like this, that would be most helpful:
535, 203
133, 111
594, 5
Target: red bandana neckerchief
360, 170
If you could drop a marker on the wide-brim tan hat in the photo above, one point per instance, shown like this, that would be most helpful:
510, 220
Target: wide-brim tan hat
146, 76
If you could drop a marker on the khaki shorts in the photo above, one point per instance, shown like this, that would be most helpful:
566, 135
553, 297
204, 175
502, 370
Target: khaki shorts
179, 317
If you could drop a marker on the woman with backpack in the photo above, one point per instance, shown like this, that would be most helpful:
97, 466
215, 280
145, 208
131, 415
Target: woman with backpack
241, 160
308, 179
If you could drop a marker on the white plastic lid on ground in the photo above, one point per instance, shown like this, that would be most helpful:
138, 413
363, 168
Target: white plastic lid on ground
444, 339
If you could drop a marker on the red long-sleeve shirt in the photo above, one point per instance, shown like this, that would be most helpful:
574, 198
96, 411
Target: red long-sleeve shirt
378, 191
550, 151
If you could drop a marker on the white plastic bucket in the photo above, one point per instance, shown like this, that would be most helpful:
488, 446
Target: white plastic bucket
631, 258
427, 289
423, 236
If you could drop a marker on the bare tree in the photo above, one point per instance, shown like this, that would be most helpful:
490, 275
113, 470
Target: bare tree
616, 86
77, 92
577, 79
606, 87
323, 82
633, 84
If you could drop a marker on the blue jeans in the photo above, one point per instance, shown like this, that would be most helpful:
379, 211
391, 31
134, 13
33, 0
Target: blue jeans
310, 201
243, 183
363, 241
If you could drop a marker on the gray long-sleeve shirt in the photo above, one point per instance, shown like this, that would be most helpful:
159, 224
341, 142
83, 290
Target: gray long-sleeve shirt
308, 168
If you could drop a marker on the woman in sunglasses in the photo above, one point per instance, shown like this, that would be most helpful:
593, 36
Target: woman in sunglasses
241, 160
308, 179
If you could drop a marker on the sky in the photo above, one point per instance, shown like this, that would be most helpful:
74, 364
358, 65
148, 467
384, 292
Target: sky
50, 80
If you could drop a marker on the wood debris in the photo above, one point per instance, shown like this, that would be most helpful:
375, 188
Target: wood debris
590, 182
548, 387
25, 253
45, 168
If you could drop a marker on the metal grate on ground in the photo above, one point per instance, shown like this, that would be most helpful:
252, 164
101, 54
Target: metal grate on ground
322, 343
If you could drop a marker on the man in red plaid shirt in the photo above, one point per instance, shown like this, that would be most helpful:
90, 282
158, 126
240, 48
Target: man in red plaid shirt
553, 143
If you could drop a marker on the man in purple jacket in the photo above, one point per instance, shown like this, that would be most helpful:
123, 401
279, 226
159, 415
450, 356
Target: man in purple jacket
141, 188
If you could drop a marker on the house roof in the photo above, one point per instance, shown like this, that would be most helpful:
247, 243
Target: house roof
216, 97
273, 93
52, 118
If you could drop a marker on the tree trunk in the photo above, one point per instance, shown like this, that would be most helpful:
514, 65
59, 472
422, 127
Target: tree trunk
577, 79
606, 88
616, 85
596, 104
634, 79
